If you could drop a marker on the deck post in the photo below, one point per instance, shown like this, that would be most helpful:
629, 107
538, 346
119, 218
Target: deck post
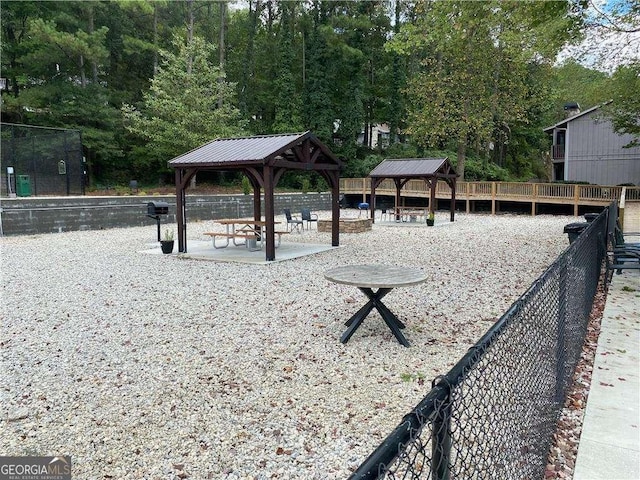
493, 198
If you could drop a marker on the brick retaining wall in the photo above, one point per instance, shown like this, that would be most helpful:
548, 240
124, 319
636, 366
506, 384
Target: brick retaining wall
34, 215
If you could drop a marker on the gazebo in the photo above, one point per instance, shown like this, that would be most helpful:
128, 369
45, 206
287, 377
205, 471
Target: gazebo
404, 169
263, 159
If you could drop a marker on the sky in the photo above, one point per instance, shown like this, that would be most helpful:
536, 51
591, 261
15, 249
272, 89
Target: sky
603, 48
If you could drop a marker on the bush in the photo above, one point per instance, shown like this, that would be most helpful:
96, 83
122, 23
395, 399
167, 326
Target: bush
246, 186
485, 172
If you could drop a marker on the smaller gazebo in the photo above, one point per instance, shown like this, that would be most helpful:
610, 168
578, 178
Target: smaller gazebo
404, 169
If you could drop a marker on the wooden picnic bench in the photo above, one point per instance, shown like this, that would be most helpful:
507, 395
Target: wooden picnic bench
242, 234
234, 236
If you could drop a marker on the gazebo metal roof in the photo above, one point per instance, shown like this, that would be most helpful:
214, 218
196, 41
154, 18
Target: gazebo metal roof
263, 159
412, 167
404, 169
227, 153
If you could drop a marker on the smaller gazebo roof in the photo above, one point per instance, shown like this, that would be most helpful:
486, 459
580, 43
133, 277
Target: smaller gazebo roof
414, 168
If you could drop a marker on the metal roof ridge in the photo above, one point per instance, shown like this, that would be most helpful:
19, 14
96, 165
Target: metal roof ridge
270, 135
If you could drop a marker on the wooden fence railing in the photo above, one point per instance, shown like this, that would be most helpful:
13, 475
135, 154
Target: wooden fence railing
469, 192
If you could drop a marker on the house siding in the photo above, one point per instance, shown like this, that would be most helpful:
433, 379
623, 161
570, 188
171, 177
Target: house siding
595, 154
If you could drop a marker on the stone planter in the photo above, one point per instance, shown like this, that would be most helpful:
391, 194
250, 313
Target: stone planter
347, 225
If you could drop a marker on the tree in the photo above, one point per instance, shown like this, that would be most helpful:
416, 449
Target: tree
318, 114
624, 110
287, 106
610, 35
469, 87
181, 111
573, 82
58, 57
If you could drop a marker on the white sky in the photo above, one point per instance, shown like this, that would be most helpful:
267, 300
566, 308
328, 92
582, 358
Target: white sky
602, 48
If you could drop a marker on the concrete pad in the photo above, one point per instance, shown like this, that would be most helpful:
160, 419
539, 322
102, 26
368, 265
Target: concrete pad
610, 441
203, 250
605, 462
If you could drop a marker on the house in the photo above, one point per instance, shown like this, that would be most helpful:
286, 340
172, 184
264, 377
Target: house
585, 148
379, 136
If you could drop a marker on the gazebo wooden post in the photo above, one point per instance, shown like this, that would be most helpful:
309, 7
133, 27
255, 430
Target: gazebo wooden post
182, 177
180, 211
268, 211
257, 202
396, 212
335, 208
372, 199
432, 194
453, 199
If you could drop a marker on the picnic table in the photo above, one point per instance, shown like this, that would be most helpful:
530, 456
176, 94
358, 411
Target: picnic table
246, 232
384, 278
410, 214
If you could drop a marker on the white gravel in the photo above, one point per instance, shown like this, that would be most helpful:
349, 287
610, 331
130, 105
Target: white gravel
159, 367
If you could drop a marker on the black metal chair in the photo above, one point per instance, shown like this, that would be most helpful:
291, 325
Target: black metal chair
620, 254
309, 217
292, 221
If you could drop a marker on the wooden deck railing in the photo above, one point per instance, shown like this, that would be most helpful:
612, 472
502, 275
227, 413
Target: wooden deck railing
534, 193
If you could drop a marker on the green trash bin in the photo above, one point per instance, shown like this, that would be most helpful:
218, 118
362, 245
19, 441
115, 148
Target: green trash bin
23, 185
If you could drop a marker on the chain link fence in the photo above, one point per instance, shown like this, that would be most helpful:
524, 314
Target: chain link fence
494, 414
41, 161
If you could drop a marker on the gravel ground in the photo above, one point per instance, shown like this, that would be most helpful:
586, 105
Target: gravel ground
153, 366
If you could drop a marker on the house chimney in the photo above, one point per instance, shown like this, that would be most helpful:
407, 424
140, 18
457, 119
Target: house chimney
571, 109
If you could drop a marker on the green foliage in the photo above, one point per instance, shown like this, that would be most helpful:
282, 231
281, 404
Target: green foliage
401, 150
246, 186
321, 185
359, 168
624, 109
472, 81
574, 83
182, 110
484, 171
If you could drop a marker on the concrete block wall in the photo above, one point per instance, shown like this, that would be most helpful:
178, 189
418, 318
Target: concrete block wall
36, 215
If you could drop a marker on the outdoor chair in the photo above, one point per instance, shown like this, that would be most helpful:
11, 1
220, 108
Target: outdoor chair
621, 255
309, 217
619, 241
292, 221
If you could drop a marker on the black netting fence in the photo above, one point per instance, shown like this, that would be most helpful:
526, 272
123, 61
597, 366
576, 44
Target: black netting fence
494, 414
41, 161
